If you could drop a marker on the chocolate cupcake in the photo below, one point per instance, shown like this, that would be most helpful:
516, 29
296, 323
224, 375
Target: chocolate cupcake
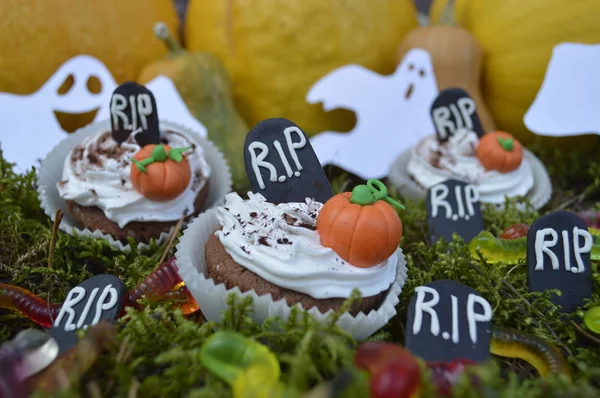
276, 250
430, 162
99, 191
274, 253
89, 175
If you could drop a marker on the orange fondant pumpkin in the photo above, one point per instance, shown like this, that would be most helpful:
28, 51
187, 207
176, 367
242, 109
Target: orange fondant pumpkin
160, 173
362, 227
500, 151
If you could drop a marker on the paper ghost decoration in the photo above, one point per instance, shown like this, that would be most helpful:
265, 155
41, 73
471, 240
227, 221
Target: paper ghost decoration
29, 126
392, 113
568, 102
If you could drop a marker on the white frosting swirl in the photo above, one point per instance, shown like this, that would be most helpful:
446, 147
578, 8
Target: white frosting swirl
431, 163
281, 245
96, 173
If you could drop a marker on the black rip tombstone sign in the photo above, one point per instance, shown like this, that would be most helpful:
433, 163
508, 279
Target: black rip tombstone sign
96, 298
558, 257
453, 109
453, 207
448, 320
281, 164
133, 111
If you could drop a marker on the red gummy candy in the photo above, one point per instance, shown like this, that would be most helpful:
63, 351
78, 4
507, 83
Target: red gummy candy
446, 374
515, 231
373, 356
394, 380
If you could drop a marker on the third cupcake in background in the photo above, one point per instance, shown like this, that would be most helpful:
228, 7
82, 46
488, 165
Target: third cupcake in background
495, 162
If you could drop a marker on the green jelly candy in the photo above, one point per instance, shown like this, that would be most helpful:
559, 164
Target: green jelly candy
232, 357
591, 319
509, 251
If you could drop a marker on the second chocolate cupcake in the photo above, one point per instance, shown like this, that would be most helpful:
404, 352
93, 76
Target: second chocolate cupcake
106, 190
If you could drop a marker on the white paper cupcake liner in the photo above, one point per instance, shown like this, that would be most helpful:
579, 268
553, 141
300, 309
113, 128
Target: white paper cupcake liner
538, 196
51, 171
212, 298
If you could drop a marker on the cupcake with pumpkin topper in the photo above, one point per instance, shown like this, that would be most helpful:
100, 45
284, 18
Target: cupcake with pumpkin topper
132, 176
287, 249
495, 162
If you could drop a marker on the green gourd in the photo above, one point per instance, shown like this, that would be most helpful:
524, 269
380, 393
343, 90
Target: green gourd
204, 86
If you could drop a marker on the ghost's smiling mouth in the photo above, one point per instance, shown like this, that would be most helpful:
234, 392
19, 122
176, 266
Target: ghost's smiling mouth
409, 91
70, 122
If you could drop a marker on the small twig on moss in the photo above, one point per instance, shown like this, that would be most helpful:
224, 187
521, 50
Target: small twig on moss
172, 237
423, 230
93, 390
577, 198
512, 269
584, 333
58, 216
125, 350
133, 389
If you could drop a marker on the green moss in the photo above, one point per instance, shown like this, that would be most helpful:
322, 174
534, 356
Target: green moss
157, 349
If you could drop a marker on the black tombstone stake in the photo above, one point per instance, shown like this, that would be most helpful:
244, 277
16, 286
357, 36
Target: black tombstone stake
453, 207
558, 257
133, 111
452, 109
96, 298
282, 165
448, 320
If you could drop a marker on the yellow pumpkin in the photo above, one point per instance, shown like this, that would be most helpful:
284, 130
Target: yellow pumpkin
275, 50
517, 38
37, 36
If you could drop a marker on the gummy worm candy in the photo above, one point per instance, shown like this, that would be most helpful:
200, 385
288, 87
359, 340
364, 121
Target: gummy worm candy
250, 368
33, 307
160, 284
543, 356
510, 251
164, 283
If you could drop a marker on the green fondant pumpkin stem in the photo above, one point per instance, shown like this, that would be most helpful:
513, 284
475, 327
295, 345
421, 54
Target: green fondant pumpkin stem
175, 153
159, 154
361, 195
161, 31
141, 165
508, 144
372, 192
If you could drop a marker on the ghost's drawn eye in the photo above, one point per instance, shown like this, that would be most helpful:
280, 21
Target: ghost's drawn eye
422, 72
411, 66
94, 85
66, 85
